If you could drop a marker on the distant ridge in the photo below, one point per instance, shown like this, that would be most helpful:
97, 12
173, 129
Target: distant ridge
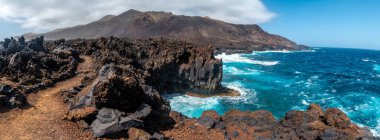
199, 30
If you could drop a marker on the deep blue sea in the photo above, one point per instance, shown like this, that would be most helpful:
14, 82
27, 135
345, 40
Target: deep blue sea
348, 79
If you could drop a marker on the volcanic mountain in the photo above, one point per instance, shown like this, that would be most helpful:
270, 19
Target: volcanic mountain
199, 30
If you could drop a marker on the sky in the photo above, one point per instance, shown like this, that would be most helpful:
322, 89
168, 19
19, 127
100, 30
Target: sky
318, 23
327, 23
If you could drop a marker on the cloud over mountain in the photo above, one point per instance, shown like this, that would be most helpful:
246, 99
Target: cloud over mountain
42, 15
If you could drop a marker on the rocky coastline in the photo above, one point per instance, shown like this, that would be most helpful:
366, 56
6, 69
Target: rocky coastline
122, 97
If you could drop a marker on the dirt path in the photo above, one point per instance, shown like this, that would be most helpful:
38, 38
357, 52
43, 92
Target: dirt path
44, 119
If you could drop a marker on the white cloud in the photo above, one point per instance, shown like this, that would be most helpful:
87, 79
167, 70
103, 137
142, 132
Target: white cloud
42, 15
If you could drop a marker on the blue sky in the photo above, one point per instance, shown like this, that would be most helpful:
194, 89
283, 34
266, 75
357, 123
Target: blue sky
327, 23
320, 23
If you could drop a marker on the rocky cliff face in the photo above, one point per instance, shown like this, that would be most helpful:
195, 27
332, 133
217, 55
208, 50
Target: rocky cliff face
199, 30
166, 65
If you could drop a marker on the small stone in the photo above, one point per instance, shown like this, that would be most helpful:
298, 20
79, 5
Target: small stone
207, 122
235, 134
192, 127
158, 136
83, 124
211, 114
138, 134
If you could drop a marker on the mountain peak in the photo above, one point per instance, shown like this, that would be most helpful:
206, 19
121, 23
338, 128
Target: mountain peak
106, 18
131, 12
199, 30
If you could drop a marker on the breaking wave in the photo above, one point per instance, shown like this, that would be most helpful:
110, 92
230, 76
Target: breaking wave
238, 58
368, 60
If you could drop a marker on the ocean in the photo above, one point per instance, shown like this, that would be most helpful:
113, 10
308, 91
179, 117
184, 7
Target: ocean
280, 81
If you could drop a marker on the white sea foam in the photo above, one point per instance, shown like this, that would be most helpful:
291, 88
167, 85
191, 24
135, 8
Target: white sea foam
236, 85
368, 60
277, 51
193, 106
282, 51
376, 131
369, 106
307, 51
304, 102
235, 71
240, 59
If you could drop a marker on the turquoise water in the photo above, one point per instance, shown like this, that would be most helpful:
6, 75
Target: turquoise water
348, 79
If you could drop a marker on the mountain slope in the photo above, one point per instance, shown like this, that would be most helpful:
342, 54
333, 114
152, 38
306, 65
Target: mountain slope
200, 30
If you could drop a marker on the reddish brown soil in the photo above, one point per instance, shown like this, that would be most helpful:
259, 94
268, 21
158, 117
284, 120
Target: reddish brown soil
43, 120
190, 130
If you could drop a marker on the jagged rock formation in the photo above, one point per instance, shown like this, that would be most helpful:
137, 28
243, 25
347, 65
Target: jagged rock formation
11, 98
199, 30
165, 65
27, 67
309, 125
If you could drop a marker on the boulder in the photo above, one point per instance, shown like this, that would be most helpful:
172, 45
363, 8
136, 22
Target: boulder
37, 44
337, 118
207, 122
317, 109
14, 47
87, 114
11, 98
300, 118
5, 89
19, 60
210, 119
259, 118
113, 123
111, 90
310, 124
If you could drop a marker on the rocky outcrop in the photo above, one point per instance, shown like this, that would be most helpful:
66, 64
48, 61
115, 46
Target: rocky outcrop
29, 67
224, 36
309, 125
163, 64
131, 76
11, 98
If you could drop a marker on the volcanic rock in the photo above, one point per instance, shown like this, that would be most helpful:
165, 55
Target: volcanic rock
211, 114
336, 118
311, 124
224, 36
11, 98
111, 122
36, 44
